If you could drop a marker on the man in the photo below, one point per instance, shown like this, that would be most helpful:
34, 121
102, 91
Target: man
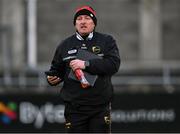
86, 109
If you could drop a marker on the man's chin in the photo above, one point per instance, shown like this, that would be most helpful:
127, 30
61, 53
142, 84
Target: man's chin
84, 33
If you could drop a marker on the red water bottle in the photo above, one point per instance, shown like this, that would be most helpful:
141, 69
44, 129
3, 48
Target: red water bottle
80, 76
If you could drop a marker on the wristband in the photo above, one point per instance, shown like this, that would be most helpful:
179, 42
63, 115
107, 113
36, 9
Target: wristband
87, 64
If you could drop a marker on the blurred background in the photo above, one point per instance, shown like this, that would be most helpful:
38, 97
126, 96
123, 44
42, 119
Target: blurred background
147, 86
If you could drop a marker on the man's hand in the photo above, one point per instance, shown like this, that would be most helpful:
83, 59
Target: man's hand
77, 64
53, 80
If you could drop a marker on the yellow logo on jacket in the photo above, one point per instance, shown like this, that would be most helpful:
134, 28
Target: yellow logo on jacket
96, 49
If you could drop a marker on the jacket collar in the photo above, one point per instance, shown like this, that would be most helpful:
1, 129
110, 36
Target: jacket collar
79, 37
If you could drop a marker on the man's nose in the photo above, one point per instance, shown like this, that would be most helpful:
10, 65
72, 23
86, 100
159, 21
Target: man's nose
83, 21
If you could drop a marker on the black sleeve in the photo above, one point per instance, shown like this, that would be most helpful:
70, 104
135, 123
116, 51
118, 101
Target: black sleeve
110, 62
57, 64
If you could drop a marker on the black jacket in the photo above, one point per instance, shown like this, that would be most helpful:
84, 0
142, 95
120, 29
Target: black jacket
102, 45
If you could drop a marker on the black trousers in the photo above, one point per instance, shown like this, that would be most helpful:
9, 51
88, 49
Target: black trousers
87, 119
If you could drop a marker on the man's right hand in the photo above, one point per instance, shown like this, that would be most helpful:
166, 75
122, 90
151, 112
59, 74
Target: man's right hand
53, 80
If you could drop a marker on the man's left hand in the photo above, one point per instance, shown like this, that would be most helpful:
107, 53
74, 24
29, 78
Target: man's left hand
77, 64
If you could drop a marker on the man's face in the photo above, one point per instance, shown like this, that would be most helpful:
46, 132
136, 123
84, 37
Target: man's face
84, 25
